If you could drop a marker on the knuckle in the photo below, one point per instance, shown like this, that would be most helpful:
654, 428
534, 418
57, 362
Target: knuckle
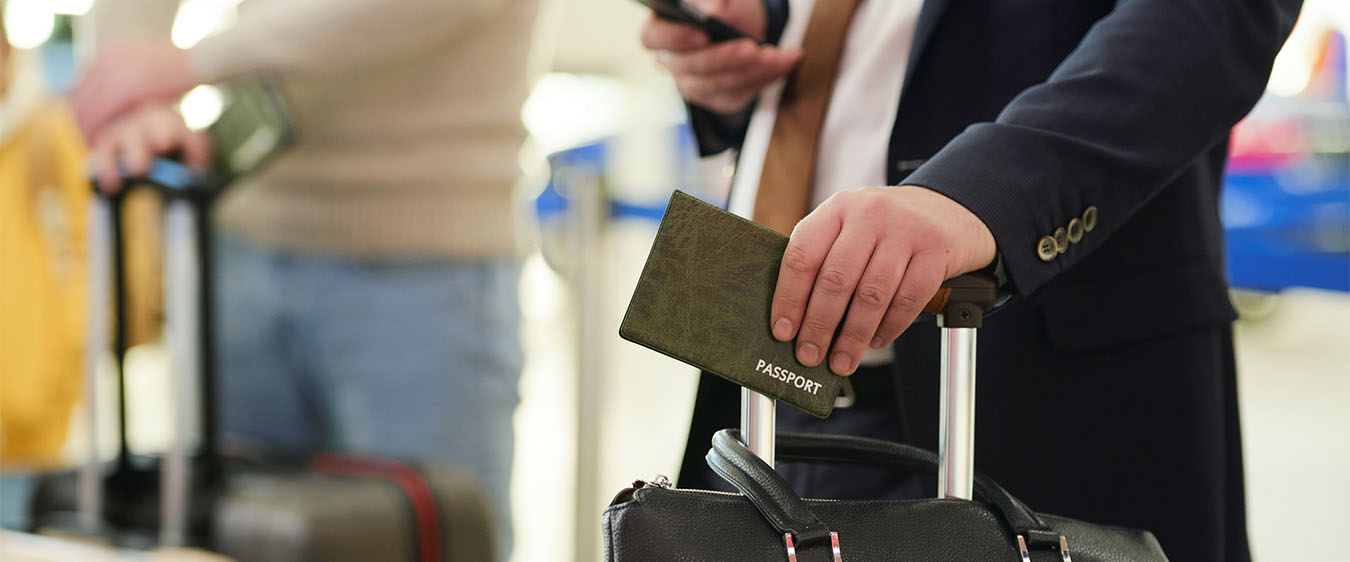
833, 282
853, 336
789, 302
797, 260
908, 300
812, 327
871, 295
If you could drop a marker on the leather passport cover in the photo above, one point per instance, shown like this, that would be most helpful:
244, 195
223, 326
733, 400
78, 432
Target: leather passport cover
704, 298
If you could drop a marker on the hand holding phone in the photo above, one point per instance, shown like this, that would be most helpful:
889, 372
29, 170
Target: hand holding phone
719, 75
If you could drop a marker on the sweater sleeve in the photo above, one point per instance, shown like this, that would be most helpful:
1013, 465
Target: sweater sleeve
1150, 88
315, 35
123, 20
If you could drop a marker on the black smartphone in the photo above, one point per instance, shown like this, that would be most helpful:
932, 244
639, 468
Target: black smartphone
254, 125
683, 12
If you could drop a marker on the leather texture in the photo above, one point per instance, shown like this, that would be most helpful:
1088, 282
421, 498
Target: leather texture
677, 525
704, 298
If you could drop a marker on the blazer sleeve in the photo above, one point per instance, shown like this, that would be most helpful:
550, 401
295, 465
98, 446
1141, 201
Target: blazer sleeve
715, 132
1151, 87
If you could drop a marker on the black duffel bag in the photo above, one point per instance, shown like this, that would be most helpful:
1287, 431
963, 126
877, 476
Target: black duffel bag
653, 522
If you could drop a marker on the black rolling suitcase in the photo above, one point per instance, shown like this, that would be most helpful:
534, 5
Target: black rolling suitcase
973, 520
334, 508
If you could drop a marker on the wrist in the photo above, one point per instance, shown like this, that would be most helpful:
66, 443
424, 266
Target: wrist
972, 245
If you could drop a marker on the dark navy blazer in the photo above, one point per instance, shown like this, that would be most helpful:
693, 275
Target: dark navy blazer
1107, 384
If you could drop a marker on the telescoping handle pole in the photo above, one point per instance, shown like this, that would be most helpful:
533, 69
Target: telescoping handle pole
758, 424
181, 286
960, 306
89, 498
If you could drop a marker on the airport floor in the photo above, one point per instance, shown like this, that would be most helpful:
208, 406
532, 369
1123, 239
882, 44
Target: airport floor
1293, 355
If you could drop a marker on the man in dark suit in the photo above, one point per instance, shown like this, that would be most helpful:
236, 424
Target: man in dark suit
1078, 147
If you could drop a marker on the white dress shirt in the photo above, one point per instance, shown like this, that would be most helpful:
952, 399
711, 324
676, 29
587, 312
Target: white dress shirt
855, 137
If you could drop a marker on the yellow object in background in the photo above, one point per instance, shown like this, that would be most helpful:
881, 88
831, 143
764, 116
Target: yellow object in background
44, 197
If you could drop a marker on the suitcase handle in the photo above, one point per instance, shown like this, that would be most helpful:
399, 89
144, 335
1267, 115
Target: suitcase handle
959, 305
187, 309
776, 501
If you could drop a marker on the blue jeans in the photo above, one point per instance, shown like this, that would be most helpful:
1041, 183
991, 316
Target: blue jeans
410, 359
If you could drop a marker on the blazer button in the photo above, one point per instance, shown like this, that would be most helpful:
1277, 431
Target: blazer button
1075, 230
1061, 240
1046, 248
1090, 218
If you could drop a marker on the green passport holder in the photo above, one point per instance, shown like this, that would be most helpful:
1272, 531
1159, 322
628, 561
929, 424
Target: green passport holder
704, 299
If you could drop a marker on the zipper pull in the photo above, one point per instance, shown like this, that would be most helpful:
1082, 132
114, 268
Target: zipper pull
660, 481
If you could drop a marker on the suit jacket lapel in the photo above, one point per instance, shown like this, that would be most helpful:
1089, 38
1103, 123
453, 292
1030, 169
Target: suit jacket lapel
929, 16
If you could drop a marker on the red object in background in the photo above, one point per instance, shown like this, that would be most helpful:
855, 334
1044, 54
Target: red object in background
406, 478
1266, 144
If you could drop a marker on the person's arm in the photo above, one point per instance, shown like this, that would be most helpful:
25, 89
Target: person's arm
278, 36
118, 21
313, 35
1152, 86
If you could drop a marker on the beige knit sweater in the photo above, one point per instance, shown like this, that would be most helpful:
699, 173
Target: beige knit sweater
408, 114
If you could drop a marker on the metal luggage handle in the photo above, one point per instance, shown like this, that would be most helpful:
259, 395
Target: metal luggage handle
187, 197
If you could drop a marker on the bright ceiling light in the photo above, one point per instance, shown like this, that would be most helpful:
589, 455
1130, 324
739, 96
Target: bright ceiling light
201, 106
28, 23
70, 7
198, 18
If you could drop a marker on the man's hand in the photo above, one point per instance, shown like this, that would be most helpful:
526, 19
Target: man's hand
142, 134
723, 77
124, 76
879, 254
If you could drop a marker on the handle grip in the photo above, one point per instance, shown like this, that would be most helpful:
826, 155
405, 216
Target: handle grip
169, 176
964, 299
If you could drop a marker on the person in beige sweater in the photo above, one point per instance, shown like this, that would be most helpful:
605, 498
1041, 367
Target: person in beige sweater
367, 290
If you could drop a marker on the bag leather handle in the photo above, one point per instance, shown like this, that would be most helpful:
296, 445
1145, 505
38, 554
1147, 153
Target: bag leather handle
770, 494
789, 514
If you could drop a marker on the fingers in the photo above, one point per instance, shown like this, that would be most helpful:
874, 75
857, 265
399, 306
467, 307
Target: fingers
196, 150
135, 150
727, 77
125, 147
866, 262
830, 296
871, 300
806, 250
105, 165
723, 77
922, 278
664, 35
721, 58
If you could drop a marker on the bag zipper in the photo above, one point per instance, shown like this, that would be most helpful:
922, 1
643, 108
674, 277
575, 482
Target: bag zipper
663, 482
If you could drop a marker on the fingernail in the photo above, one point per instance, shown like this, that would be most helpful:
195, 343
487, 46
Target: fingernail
808, 354
842, 364
877, 343
782, 329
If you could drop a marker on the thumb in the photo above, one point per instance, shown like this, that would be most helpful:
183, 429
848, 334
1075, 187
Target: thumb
782, 61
